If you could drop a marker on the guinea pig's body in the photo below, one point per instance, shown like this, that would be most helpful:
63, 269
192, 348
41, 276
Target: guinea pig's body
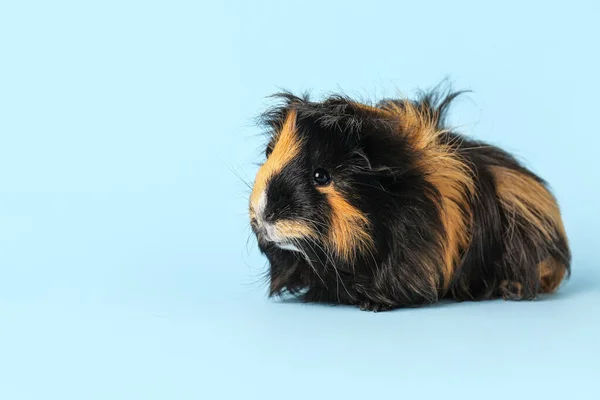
383, 207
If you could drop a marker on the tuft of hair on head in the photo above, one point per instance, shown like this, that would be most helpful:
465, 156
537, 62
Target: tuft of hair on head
274, 117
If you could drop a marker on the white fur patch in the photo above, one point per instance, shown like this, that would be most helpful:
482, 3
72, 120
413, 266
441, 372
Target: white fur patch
260, 207
288, 246
272, 234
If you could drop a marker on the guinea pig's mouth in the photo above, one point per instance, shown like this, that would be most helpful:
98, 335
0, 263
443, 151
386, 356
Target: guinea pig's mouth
267, 233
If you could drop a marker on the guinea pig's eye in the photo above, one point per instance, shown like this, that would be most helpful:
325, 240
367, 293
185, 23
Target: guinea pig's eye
321, 177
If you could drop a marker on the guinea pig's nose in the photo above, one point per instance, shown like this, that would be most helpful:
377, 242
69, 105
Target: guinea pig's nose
267, 232
270, 216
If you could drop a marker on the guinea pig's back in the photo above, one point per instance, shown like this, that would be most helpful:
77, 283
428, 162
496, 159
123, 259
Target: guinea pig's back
518, 247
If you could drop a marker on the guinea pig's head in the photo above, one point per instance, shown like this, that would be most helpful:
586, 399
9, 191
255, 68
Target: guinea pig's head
322, 187
361, 188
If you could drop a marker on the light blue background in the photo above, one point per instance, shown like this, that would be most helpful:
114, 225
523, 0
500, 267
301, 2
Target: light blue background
124, 269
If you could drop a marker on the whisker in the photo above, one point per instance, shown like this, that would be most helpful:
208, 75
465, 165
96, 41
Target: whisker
309, 261
250, 237
335, 270
239, 176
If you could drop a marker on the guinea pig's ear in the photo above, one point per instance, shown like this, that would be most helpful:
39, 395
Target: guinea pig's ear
364, 159
380, 144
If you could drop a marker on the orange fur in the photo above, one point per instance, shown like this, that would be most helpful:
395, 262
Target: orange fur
523, 195
448, 173
294, 229
527, 197
454, 183
286, 148
349, 229
552, 273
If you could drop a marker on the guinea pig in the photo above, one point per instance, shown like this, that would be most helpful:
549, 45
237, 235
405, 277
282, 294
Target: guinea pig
383, 206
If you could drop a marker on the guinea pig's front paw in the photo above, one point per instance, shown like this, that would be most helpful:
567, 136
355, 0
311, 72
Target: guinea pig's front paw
510, 290
368, 305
